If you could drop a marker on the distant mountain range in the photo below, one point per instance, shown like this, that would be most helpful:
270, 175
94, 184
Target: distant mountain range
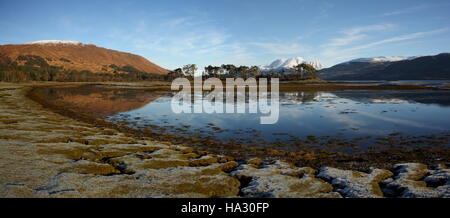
56, 60
391, 68
55, 57
285, 64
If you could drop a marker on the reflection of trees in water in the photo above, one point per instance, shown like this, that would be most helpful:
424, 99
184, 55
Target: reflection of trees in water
299, 97
284, 97
441, 98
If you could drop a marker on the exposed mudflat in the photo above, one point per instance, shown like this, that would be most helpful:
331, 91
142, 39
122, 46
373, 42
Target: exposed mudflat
45, 154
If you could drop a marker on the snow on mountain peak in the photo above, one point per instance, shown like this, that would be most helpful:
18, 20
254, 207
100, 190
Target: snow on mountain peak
54, 42
383, 59
288, 63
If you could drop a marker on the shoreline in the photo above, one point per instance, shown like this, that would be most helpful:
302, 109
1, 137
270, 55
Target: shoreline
55, 156
304, 156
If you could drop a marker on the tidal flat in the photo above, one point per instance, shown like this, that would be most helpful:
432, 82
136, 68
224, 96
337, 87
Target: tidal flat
55, 150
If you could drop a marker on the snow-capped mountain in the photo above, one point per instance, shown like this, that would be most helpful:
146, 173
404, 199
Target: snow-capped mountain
383, 59
288, 63
54, 42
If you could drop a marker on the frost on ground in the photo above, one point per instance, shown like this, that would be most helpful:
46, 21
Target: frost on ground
355, 184
44, 154
281, 180
415, 180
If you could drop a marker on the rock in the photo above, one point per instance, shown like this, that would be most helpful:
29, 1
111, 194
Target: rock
16, 191
444, 191
408, 182
137, 162
224, 159
255, 161
163, 158
204, 161
88, 167
281, 180
354, 184
410, 171
438, 177
181, 182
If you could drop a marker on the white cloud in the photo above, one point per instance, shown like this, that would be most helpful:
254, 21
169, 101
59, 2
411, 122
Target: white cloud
183, 40
356, 34
405, 10
182, 36
281, 48
398, 38
349, 46
184, 43
193, 39
362, 29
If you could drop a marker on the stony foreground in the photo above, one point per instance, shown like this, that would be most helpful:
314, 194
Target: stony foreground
44, 154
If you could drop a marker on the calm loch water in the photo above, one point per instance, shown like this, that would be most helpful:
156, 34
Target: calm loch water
348, 120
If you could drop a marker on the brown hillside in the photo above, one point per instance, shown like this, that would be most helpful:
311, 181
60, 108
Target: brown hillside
81, 57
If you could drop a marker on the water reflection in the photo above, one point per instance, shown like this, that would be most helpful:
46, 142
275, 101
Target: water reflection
441, 98
343, 120
100, 101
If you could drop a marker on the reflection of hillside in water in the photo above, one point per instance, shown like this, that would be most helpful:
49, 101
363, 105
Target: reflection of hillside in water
441, 98
98, 101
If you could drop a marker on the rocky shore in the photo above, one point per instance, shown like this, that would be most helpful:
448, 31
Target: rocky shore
44, 154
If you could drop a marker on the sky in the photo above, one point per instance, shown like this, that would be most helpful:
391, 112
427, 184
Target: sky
242, 32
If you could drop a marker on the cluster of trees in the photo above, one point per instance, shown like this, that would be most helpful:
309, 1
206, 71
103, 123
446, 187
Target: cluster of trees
229, 70
303, 72
187, 70
36, 68
223, 71
300, 72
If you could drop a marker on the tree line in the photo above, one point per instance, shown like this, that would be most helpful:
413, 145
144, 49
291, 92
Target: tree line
299, 72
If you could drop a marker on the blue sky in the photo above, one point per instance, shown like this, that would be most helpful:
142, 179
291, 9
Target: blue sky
241, 32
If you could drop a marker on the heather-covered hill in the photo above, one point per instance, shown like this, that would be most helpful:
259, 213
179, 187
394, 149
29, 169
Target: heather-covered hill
72, 61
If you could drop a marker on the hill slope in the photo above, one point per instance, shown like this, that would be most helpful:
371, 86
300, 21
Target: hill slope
69, 56
415, 68
423, 68
352, 70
